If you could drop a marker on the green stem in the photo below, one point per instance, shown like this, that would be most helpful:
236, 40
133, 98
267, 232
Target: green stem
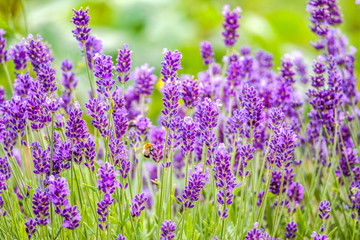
8, 77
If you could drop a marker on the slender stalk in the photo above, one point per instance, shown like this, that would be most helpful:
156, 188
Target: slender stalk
8, 77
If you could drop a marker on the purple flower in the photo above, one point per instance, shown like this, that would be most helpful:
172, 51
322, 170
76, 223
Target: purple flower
189, 91
41, 159
171, 96
282, 146
207, 52
318, 236
189, 130
76, 126
71, 217
103, 71
22, 84
120, 237
41, 203
171, 64
142, 127
38, 52
68, 80
295, 193
107, 182
324, 210
118, 151
103, 210
30, 227
18, 55
300, 67
46, 77
224, 179
5, 168
230, 25
3, 52
319, 69
157, 139
59, 191
123, 64
90, 154
98, 111
275, 182
81, 21
136, 206
192, 191
207, 114
168, 229
291, 229
144, 79
121, 122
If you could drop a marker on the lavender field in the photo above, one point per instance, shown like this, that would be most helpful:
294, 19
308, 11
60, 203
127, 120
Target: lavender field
242, 149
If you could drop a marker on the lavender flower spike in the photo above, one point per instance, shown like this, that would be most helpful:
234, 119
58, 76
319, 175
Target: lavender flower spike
171, 64
324, 210
123, 64
207, 52
168, 229
230, 25
81, 21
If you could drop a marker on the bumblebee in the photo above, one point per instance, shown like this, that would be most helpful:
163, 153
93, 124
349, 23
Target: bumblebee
147, 149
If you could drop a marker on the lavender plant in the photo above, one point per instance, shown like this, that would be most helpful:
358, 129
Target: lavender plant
239, 151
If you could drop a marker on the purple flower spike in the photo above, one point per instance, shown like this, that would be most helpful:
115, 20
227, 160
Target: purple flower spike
18, 55
5, 168
81, 21
123, 64
107, 182
76, 126
189, 91
38, 52
103, 71
144, 79
224, 179
136, 206
171, 103
90, 154
192, 191
324, 210
41, 159
71, 217
59, 191
282, 146
207, 52
3, 52
171, 64
319, 69
189, 130
41, 204
30, 227
230, 25
168, 229
291, 229
103, 210
97, 110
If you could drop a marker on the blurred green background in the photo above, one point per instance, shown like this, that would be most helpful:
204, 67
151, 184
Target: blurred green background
277, 26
